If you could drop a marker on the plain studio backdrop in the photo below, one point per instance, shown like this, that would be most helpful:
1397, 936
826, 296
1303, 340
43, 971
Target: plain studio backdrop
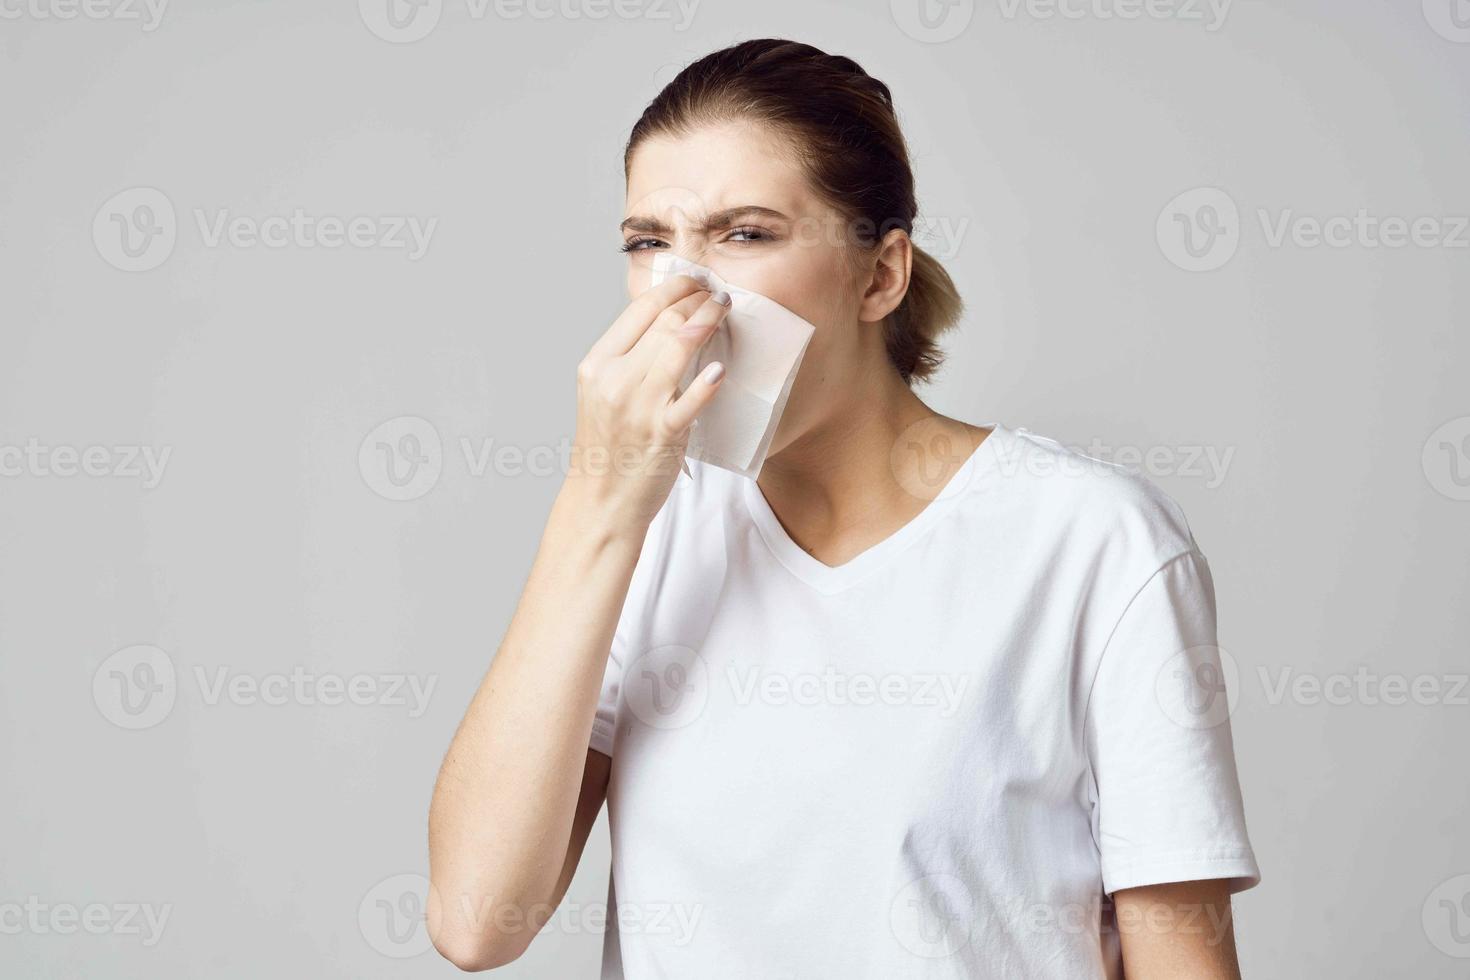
293, 294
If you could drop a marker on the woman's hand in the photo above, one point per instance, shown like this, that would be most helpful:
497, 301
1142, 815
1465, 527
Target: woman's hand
632, 421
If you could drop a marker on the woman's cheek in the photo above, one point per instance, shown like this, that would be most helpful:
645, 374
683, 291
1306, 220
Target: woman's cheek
640, 275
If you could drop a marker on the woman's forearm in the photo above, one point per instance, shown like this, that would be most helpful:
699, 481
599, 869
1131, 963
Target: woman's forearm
507, 792
505, 804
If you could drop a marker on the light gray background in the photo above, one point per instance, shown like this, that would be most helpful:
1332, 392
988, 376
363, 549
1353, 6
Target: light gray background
271, 833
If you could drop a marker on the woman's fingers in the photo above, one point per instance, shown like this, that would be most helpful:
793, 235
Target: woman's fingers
686, 408
668, 361
640, 314
639, 361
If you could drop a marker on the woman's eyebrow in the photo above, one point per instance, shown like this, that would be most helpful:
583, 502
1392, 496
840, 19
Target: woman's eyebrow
718, 219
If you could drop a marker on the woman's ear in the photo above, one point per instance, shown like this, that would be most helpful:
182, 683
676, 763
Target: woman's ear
893, 263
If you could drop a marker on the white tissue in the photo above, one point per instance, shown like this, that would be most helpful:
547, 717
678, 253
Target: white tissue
761, 344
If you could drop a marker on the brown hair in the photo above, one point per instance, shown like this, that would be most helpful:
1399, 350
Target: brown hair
840, 122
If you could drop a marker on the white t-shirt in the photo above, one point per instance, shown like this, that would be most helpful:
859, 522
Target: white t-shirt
934, 760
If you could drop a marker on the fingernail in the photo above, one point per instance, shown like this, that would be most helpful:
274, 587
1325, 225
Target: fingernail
713, 373
721, 297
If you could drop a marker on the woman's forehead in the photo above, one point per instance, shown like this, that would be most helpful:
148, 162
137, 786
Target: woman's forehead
713, 169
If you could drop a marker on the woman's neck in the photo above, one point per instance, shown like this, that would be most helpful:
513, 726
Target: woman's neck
867, 471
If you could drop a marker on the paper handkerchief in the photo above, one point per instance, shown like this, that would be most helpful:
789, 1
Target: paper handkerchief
761, 344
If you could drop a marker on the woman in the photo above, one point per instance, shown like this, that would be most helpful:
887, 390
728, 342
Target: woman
922, 701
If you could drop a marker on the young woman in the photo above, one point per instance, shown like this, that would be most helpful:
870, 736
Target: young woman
927, 699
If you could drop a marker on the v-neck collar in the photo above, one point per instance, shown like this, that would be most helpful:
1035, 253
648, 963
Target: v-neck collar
975, 471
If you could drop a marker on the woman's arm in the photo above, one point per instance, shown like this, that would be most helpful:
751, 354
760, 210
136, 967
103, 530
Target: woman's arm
1183, 929
519, 790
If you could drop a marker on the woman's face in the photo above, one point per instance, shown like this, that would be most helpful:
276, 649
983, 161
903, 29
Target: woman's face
729, 198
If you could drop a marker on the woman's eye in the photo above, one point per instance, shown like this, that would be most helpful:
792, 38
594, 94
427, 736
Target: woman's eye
748, 234
639, 244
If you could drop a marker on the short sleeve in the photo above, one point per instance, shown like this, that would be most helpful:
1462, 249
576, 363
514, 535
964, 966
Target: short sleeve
605, 721
1168, 805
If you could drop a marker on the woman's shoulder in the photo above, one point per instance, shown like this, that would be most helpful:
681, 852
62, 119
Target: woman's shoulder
1096, 502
